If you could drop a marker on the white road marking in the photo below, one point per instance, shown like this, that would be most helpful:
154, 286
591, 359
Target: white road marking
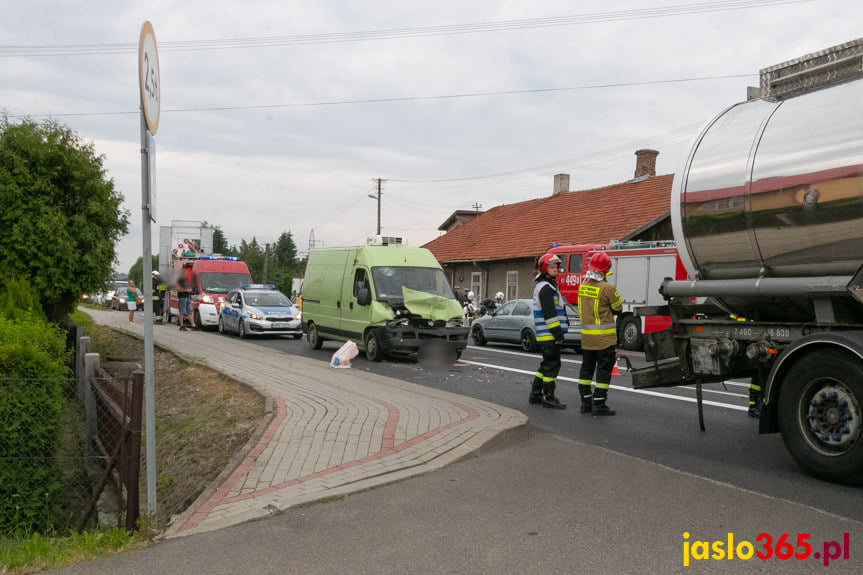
617, 387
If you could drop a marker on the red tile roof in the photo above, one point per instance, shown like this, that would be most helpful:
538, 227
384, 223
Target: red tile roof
528, 229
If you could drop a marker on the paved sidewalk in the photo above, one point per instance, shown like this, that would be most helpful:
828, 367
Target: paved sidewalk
334, 431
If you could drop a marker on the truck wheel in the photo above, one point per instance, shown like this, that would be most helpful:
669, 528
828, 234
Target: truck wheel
820, 417
528, 340
478, 337
315, 340
373, 347
630, 333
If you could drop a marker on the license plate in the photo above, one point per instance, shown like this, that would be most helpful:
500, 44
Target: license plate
281, 325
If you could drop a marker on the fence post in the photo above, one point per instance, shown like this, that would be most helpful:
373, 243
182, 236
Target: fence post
91, 362
136, 406
81, 350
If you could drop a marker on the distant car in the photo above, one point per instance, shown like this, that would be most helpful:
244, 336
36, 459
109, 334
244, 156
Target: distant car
259, 310
512, 322
118, 299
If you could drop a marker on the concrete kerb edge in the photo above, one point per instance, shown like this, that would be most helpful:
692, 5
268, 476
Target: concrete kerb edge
484, 441
177, 522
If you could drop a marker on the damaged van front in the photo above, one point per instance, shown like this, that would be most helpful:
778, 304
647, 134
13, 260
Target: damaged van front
390, 300
406, 321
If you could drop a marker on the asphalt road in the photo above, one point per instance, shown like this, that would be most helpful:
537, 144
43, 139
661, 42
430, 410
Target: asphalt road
660, 426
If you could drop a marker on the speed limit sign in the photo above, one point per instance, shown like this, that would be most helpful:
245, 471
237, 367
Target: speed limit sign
148, 75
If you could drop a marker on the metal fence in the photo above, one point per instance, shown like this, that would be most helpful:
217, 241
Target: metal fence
91, 461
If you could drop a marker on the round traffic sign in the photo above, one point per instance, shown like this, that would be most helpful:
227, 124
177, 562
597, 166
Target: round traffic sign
148, 76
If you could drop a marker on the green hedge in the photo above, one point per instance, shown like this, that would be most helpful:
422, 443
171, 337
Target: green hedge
33, 359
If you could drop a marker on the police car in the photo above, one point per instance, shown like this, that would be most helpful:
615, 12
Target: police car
258, 309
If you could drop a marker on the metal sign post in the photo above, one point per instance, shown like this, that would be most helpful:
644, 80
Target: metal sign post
148, 77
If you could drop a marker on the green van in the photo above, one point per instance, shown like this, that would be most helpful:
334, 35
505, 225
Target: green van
391, 300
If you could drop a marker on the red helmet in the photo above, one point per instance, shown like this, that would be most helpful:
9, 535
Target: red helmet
542, 266
599, 262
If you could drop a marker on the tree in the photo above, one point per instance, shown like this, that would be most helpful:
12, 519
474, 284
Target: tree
60, 216
286, 251
136, 272
253, 254
220, 242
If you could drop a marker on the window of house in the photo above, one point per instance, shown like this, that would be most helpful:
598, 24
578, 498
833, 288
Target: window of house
476, 284
511, 285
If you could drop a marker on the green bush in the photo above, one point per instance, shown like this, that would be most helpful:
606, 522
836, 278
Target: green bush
33, 359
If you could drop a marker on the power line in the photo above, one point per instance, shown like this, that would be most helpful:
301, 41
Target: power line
402, 98
18, 51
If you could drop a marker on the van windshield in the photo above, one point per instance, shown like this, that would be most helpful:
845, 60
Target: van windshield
389, 281
221, 282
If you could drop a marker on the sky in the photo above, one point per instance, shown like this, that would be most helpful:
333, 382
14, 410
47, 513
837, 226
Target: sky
280, 116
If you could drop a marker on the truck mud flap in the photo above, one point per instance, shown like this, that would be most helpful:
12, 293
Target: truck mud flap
663, 373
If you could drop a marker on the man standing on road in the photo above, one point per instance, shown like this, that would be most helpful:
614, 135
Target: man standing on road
550, 323
184, 295
598, 303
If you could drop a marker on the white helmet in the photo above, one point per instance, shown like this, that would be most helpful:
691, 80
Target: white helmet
499, 297
155, 272
470, 295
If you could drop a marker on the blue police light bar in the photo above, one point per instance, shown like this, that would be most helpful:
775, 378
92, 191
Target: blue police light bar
218, 257
257, 286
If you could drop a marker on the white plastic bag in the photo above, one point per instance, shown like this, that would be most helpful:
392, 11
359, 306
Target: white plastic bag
342, 357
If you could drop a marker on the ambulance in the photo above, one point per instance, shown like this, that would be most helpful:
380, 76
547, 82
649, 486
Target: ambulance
212, 277
638, 269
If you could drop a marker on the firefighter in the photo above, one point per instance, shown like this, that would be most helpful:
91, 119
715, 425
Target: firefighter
158, 296
598, 303
550, 323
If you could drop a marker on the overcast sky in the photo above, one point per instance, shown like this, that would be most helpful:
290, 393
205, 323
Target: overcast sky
279, 115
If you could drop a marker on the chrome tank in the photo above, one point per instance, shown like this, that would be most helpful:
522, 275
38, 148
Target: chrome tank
774, 189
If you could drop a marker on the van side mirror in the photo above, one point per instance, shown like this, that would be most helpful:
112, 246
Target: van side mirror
364, 297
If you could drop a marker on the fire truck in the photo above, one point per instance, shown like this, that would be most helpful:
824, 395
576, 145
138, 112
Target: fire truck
212, 277
638, 269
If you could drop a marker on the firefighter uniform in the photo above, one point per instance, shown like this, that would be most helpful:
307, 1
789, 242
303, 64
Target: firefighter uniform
597, 302
550, 324
158, 297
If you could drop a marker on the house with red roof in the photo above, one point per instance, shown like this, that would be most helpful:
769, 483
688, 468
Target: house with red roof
497, 249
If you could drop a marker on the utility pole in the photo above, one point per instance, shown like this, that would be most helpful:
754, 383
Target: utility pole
266, 260
378, 198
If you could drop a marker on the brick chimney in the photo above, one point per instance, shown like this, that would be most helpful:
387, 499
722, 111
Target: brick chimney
645, 163
561, 184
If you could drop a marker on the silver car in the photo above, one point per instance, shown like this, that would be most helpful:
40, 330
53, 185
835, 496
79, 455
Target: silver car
259, 309
512, 322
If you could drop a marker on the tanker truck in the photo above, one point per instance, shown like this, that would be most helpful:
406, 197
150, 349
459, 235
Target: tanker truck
767, 213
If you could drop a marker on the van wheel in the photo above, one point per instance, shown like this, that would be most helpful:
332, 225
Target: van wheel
630, 333
528, 340
315, 340
819, 410
373, 347
198, 321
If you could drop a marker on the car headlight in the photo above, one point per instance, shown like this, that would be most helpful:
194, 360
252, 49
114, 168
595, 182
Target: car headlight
298, 315
255, 316
455, 322
207, 299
